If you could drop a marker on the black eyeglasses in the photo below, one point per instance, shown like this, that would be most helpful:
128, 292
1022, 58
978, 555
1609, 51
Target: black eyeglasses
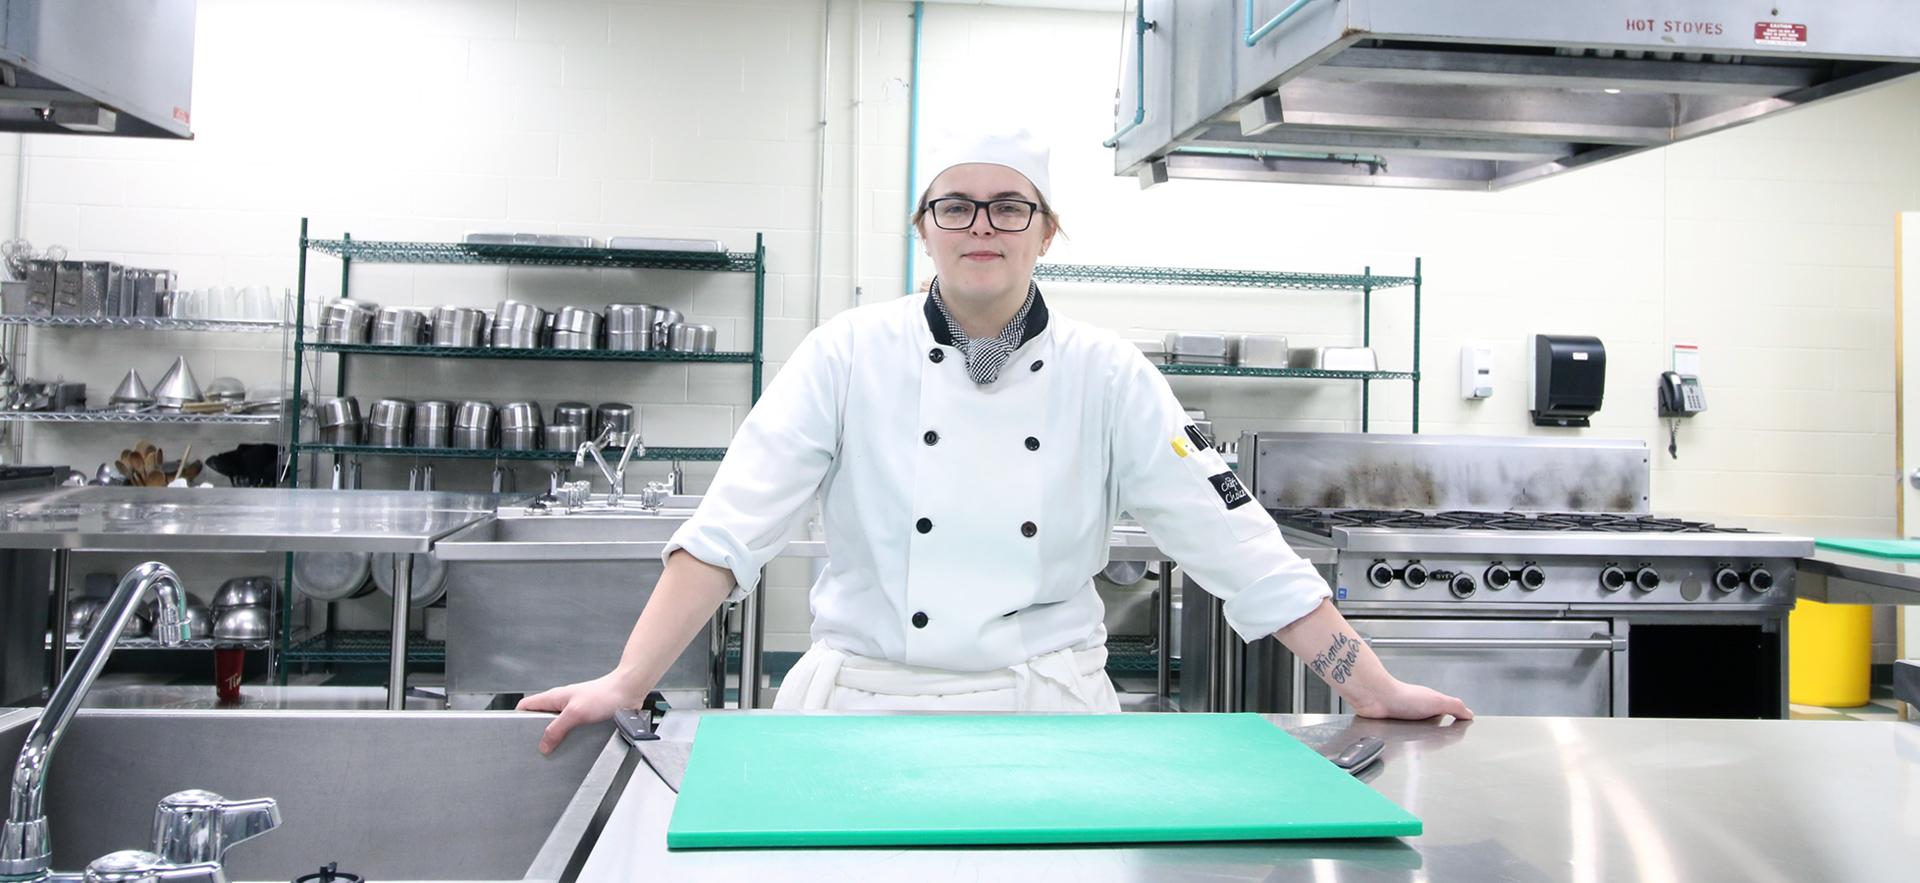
1004, 215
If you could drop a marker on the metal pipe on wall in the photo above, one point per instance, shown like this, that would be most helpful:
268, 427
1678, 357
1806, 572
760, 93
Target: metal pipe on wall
820, 160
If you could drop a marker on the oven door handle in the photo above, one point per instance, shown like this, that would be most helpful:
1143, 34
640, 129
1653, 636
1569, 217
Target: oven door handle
1612, 644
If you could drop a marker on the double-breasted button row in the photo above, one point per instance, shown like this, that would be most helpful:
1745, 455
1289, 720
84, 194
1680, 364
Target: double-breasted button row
1027, 529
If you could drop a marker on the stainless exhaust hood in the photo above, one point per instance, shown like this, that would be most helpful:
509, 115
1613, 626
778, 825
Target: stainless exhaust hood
1474, 94
99, 67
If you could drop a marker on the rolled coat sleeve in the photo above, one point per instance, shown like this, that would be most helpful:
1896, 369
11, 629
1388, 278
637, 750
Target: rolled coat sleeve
774, 465
1197, 511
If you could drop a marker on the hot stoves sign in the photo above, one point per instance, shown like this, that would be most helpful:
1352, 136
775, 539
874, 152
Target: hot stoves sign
1765, 33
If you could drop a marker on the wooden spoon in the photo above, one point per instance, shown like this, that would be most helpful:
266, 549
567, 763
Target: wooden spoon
190, 471
182, 468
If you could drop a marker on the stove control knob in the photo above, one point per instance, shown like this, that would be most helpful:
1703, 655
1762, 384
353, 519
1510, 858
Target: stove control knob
1380, 574
1646, 579
1498, 577
1760, 579
1461, 585
1532, 577
1613, 579
1727, 580
1415, 575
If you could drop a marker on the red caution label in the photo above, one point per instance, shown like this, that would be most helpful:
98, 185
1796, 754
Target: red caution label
1777, 33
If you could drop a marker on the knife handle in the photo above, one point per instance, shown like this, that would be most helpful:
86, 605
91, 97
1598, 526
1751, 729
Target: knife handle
1356, 757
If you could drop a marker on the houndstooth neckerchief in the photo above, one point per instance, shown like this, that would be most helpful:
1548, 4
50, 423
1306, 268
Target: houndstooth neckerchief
985, 356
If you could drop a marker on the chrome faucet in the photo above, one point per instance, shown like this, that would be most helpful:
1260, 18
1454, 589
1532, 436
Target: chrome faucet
26, 849
616, 475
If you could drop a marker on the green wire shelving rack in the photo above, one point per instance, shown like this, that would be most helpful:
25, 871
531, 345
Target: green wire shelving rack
1364, 283
348, 646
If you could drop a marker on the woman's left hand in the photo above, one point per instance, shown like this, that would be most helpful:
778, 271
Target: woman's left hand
1403, 701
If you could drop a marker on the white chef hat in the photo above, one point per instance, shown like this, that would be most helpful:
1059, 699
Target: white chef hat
1016, 148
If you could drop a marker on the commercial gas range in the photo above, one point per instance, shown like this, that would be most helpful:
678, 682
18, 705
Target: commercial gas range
1525, 575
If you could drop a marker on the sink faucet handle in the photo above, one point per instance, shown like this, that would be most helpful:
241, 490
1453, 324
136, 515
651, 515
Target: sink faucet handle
140, 866
200, 826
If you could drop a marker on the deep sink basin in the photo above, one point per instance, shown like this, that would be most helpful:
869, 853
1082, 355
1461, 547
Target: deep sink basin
584, 535
387, 795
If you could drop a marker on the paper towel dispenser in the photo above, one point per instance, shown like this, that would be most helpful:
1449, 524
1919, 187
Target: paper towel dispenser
1569, 378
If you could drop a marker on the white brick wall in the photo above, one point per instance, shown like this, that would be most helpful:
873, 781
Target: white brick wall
1768, 245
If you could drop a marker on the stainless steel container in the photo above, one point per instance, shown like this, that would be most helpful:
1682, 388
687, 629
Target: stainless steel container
518, 325
397, 326
459, 326
473, 425
339, 421
390, 423
564, 437
432, 424
617, 415
631, 327
1196, 348
346, 321
576, 328
521, 426
1334, 358
573, 414
693, 338
663, 321
1261, 350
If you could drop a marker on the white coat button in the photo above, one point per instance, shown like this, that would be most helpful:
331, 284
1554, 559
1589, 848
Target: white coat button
1033, 444
1034, 367
924, 525
919, 620
1029, 529
932, 438
936, 355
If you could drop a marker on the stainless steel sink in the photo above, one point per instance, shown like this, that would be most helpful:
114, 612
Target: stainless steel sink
584, 535
387, 795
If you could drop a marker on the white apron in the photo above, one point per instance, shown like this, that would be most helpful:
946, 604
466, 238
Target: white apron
1062, 681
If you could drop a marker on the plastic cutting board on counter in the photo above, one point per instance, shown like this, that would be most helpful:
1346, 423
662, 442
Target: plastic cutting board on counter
912, 780
1876, 548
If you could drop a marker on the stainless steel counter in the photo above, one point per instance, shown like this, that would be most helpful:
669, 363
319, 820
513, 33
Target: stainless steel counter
236, 519
1502, 798
1842, 578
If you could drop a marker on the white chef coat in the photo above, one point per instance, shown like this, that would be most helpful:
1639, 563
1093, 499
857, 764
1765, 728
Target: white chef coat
964, 522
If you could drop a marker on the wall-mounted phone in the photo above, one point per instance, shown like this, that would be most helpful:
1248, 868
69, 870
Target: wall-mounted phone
1680, 393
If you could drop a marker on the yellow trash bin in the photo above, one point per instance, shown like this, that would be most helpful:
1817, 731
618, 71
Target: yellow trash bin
1830, 654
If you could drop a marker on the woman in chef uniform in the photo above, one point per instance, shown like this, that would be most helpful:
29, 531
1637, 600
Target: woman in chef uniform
971, 450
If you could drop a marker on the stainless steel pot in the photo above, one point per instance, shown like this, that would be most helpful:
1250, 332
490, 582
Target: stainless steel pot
663, 321
458, 326
564, 436
518, 325
578, 320
340, 422
398, 326
473, 425
571, 340
429, 577
432, 424
573, 414
688, 338
617, 415
250, 623
390, 423
521, 426
630, 327
346, 321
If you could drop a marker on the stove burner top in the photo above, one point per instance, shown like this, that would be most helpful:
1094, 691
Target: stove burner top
1322, 521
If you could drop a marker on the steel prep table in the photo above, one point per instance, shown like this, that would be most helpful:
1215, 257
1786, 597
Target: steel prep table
172, 520
1518, 798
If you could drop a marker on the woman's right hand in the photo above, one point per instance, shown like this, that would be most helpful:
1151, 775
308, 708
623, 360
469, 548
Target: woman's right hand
587, 702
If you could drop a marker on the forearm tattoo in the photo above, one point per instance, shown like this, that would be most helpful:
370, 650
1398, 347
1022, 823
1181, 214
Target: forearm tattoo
1336, 662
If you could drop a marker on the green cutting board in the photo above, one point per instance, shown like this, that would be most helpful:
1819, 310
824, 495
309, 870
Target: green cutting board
923, 780
1876, 548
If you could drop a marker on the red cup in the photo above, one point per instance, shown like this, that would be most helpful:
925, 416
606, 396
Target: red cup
228, 665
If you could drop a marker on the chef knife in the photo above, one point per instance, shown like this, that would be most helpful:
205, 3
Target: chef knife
667, 759
1357, 756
